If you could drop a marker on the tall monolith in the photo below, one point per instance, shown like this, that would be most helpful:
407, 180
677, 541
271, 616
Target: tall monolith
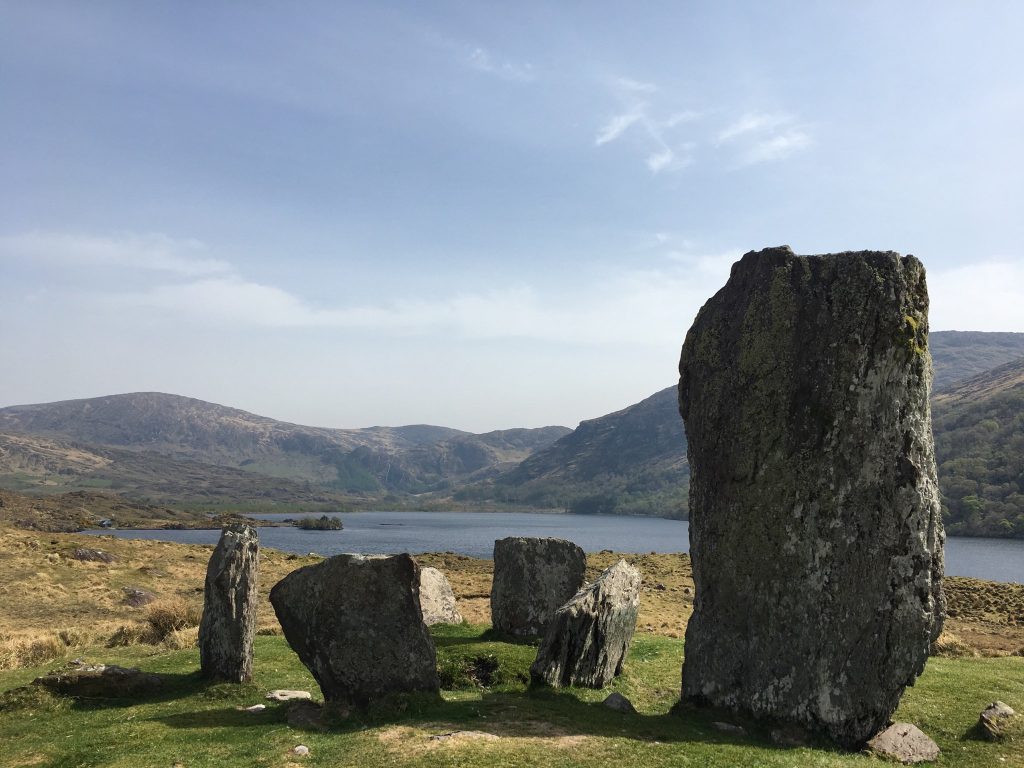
229, 606
815, 530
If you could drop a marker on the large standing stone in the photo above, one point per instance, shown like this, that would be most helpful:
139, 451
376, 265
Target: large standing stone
589, 637
356, 623
815, 531
229, 605
533, 577
437, 600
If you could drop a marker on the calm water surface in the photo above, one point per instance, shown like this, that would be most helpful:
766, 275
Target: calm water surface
473, 533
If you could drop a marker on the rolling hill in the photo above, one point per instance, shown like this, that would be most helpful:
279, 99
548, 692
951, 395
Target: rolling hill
979, 447
173, 448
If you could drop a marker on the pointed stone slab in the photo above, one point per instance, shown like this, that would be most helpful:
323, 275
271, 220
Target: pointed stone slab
588, 639
815, 529
230, 598
437, 600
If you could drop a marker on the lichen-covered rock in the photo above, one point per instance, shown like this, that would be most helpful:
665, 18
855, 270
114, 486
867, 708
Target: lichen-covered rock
905, 743
533, 577
229, 606
356, 623
589, 636
437, 600
815, 531
994, 719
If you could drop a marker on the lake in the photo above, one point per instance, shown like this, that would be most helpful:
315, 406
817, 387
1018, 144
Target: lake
473, 534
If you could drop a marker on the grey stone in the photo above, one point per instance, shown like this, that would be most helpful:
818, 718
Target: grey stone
137, 597
619, 703
100, 681
994, 719
815, 529
588, 638
356, 623
230, 598
92, 555
286, 695
437, 600
533, 577
731, 728
904, 743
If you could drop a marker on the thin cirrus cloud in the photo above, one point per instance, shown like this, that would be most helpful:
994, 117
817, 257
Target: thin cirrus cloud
663, 148
149, 252
483, 60
763, 137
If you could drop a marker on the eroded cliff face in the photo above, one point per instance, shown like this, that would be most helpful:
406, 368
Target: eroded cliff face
815, 530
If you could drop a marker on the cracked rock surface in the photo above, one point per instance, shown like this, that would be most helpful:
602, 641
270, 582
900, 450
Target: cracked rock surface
230, 598
815, 529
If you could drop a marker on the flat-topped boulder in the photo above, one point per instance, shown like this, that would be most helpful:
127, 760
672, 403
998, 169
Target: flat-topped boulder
533, 577
815, 529
588, 638
230, 597
437, 600
356, 623
82, 680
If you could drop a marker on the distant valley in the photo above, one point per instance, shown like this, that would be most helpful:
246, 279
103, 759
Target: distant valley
183, 453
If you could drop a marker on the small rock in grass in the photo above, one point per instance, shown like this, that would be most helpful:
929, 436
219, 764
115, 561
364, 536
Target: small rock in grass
255, 708
619, 703
137, 597
994, 719
736, 730
301, 750
92, 555
904, 742
286, 695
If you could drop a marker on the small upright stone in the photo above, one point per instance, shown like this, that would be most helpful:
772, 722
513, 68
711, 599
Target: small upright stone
356, 623
532, 578
815, 527
228, 625
437, 600
587, 641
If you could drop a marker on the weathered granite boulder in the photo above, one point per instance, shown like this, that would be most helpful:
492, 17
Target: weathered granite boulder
100, 681
437, 600
85, 554
815, 531
589, 636
356, 623
994, 720
905, 743
229, 606
533, 577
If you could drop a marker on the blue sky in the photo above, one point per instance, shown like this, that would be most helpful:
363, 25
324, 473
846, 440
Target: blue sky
473, 214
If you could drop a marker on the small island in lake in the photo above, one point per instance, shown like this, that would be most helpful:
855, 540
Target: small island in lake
322, 523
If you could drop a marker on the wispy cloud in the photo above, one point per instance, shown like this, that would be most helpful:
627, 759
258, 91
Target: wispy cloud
762, 137
617, 125
634, 86
663, 148
483, 60
153, 252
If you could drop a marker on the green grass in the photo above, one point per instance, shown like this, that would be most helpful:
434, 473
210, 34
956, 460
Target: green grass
197, 724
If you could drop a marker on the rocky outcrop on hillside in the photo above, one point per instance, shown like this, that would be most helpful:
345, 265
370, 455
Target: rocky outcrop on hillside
815, 529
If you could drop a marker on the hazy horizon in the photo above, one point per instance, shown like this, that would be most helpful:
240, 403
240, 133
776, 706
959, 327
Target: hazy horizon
477, 216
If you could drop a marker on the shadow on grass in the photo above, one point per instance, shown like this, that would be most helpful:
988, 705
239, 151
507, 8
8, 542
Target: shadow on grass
175, 686
447, 639
541, 713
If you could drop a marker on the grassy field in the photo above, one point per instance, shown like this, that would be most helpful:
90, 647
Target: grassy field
497, 720
57, 607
